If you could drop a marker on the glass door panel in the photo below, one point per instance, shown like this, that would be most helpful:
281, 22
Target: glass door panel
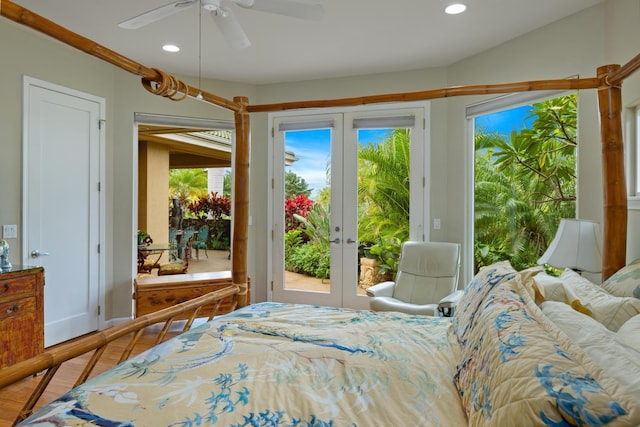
342, 186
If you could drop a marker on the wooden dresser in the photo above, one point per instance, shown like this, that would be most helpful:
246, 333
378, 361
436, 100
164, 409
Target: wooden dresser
152, 293
21, 314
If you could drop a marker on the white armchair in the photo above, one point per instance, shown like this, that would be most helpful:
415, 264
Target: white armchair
426, 281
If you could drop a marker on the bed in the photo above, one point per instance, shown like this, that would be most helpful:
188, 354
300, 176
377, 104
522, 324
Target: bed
501, 360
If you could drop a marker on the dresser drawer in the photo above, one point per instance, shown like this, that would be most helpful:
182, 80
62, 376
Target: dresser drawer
10, 289
17, 308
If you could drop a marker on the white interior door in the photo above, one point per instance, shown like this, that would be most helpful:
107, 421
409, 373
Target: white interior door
62, 204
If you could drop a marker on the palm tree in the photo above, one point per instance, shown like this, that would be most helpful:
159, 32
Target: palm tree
383, 188
187, 184
524, 187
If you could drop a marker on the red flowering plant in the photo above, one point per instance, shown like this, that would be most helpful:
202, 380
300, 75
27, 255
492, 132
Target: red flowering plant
300, 205
213, 206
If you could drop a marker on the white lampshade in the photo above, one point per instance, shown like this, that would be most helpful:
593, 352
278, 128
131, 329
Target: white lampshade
576, 245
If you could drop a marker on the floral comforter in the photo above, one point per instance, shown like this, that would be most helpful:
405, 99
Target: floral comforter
280, 365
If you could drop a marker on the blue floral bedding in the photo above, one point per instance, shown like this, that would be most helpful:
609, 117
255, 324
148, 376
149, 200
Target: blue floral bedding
280, 365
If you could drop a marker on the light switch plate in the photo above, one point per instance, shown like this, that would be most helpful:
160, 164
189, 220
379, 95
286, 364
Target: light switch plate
9, 231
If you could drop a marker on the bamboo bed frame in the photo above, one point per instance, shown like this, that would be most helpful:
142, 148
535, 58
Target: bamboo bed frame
51, 360
607, 82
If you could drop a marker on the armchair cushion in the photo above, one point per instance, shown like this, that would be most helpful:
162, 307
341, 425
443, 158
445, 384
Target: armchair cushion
427, 273
382, 289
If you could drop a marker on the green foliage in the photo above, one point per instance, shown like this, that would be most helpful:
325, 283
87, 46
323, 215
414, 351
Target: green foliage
307, 248
295, 185
388, 253
525, 186
226, 183
187, 184
383, 188
317, 224
312, 258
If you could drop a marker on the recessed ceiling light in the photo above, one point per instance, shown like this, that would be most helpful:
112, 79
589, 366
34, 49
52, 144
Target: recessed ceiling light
170, 48
455, 8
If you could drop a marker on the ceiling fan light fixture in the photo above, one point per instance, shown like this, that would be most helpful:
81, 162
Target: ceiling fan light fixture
172, 48
455, 8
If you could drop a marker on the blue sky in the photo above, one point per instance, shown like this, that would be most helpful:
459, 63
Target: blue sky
311, 147
505, 121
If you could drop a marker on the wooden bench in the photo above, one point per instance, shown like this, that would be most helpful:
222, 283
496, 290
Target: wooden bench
153, 293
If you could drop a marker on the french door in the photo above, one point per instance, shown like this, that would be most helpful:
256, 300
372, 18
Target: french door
317, 173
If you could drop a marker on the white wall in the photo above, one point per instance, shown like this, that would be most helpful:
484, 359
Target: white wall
577, 45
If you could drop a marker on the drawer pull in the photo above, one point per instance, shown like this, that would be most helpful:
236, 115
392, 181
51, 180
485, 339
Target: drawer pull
6, 287
13, 309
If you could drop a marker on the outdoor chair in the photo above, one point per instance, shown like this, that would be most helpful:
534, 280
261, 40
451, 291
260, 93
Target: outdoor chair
201, 242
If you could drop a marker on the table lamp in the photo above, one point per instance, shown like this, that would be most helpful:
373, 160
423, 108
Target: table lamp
577, 245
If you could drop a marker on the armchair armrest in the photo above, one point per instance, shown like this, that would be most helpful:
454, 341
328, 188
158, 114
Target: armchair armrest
447, 305
383, 289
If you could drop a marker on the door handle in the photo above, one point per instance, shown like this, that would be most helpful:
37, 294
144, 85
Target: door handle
336, 240
36, 253
350, 240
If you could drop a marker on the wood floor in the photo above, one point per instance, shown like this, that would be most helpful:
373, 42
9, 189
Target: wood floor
12, 398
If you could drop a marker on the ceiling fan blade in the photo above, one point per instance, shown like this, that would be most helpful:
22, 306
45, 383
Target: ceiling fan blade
311, 10
156, 14
230, 28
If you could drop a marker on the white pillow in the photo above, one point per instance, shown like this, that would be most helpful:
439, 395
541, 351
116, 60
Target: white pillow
629, 333
549, 287
610, 310
604, 347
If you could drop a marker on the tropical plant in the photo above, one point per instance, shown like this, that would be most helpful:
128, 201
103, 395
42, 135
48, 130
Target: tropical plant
311, 256
211, 206
317, 224
226, 183
187, 184
524, 187
299, 205
386, 251
383, 188
295, 185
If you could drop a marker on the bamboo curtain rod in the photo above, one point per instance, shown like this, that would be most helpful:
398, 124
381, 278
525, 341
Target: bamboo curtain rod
560, 84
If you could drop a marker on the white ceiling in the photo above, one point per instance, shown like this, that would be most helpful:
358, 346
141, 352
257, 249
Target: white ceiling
354, 37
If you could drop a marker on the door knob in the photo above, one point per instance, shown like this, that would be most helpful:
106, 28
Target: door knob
36, 253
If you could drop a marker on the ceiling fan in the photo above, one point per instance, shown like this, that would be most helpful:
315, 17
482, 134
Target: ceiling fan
223, 15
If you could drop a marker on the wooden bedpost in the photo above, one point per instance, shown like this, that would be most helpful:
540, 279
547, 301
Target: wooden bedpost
614, 229
241, 201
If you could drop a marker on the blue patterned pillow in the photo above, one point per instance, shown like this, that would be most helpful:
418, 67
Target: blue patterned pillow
474, 294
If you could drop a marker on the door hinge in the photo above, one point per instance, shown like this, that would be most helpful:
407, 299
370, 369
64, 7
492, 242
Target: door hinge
273, 132
99, 186
424, 123
101, 122
272, 286
98, 247
424, 181
273, 183
273, 234
99, 309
